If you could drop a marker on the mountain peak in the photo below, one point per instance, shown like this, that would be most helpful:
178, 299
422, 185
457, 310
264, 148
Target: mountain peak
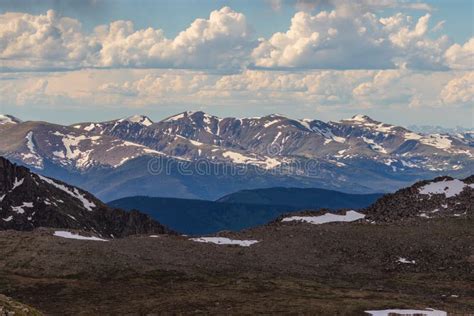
360, 118
8, 119
189, 114
140, 119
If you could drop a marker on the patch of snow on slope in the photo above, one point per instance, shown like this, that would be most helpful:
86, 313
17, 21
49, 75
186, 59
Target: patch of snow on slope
374, 146
195, 143
175, 118
268, 124
89, 127
225, 241
75, 194
9, 218
32, 158
17, 183
407, 312
449, 188
350, 216
405, 260
412, 136
20, 209
236, 157
69, 235
437, 141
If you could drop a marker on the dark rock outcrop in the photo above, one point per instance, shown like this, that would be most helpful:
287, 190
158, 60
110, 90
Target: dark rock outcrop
413, 202
28, 201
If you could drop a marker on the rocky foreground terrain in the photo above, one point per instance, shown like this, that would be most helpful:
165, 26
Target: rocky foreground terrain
338, 268
295, 264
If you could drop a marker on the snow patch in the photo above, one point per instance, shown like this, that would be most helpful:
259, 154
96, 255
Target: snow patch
74, 193
32, 157
437, 141
21, 209
225, 241
69, 235
374, 146
350, 216
268, 124
449, 188
405, 260
407, 312
17, 183
174, 118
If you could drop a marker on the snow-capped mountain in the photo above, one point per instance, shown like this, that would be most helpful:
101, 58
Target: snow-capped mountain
275, 139
307, 153
34, 143
29, 200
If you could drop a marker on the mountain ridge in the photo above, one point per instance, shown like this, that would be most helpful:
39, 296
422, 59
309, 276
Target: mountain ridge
235, 212
358, 155
29, 201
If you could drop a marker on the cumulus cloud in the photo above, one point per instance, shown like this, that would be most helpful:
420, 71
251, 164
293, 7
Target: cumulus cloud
43, 41
223, 41
335, 40
220, 42
352, 35
461, 57
459, 91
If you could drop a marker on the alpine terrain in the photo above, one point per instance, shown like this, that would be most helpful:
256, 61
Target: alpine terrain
409, 250
29, 201
197, 155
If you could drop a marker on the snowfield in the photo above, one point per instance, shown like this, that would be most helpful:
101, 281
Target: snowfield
225, 241
69, 235
407, 312
449, 188
350, 216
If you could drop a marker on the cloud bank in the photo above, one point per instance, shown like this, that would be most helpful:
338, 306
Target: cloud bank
345, 37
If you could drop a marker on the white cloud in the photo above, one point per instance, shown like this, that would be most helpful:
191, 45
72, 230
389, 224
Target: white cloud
352, 36
43, 41
220, 42
344, 39
459, 91
461, 57
223, 42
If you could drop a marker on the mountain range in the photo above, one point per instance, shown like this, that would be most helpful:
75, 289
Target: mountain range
200, 156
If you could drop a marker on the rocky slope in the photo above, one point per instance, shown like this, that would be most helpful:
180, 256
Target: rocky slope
358, 155
29, 200
440, 197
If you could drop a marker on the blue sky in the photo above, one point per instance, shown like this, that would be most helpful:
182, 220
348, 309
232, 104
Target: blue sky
90, 60
174, 16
